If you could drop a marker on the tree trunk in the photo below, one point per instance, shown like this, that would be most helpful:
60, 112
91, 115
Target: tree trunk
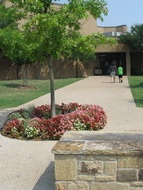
25, 74
52, 87
77, 67
17, 71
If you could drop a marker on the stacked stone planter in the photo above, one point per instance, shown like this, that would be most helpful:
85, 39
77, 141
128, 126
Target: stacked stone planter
99, 161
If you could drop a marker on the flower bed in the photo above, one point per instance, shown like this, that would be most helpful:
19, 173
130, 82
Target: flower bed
36, 122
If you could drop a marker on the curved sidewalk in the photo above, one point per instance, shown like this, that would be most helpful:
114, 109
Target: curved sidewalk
115, 98
29, 165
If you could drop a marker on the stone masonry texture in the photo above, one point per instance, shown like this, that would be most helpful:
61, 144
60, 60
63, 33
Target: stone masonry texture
107, 167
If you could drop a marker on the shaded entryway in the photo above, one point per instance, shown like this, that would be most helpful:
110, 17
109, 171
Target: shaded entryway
107, 58
136, 63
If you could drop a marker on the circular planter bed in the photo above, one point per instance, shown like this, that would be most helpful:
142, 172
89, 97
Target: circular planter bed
35, 123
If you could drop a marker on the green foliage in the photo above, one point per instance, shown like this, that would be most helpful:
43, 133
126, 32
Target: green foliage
33, 6
80, 9
15, 132
83, 47
58, 30
27, 113
11, 39
53, 27
49, 30
9, 16
134, 38
15, 46
11, 43
14, 115
31, 132
79, 126
52, 33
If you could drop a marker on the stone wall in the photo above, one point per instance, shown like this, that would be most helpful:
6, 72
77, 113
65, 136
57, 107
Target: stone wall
99, 161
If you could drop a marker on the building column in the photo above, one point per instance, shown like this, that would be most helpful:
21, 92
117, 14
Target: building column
128, 63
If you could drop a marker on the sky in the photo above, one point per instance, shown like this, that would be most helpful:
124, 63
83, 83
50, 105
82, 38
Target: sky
121, 12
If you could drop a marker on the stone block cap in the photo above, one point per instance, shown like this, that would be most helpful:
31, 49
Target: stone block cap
100, 143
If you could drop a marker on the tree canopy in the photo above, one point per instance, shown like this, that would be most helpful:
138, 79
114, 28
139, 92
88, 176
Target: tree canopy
52, 31
134, 38
9, 16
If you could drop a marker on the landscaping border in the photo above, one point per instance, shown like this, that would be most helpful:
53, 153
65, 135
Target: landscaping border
99, 160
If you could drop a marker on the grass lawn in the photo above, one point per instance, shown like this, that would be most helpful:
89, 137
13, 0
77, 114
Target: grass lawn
136, 84
13, 93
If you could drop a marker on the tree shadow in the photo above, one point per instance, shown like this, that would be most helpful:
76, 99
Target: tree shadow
10, 85
19, 86
140, 85
131, 101
138, 102
47, 180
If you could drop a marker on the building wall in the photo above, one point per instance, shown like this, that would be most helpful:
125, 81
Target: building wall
90, 26
121, 28
62, 69
7, 69
68, 68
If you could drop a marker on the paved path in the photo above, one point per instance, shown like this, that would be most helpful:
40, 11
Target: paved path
29, 165
115, 98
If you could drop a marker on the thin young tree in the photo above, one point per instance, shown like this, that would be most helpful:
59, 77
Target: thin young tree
51, 27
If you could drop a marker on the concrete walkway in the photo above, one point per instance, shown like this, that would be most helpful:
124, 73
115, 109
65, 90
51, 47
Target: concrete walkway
29, 165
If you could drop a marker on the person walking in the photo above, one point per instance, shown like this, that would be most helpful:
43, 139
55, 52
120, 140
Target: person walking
120, 73
113, 71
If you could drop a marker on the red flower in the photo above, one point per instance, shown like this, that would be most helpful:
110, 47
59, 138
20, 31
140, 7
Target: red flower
70, 116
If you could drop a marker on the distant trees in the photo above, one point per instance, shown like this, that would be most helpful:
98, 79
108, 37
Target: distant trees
134, 38
13, 42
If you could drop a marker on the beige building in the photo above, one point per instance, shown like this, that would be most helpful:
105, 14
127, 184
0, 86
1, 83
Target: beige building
121, 53
106, 54
131, 61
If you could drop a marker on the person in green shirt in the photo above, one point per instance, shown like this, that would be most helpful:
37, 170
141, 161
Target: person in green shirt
120, 73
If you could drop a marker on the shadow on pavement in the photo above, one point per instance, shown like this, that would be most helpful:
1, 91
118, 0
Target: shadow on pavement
47, 180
